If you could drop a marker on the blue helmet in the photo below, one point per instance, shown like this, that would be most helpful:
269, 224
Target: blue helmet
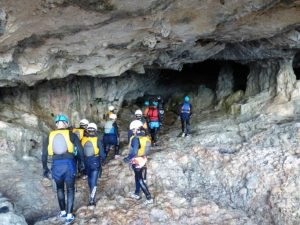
61, 117
186, 98
146, 103
155, 103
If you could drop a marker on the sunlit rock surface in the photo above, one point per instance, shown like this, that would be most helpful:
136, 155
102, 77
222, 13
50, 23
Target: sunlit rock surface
43, 39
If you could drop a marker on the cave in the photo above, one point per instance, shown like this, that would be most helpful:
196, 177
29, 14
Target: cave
296, 66
238, 63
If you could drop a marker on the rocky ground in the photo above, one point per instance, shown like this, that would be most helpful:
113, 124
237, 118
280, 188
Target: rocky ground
230, 171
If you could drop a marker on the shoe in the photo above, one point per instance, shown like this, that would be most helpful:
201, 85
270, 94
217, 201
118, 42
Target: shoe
70, 220
148, 201
135, 196
84, 177
92, 203
62, 215
183, 135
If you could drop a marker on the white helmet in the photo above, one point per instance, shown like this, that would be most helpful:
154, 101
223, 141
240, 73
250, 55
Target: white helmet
136, 124
111, 108
83, 122
138, 112
112, 116
92, 127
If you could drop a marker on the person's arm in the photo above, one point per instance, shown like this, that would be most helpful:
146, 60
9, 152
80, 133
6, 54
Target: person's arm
135, 145
45, 157
101, 150
191, 110
75, 140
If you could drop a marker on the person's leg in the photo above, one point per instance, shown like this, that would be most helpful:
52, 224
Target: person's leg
182, 124
143, 186
61, 194
93, 187
137, 184
70, 195
187, 126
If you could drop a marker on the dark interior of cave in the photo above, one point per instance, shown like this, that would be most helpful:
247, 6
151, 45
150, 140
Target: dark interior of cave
203, 73
296, 65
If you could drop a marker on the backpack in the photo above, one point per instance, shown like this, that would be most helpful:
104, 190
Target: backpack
153, 114
145, 145
186, 107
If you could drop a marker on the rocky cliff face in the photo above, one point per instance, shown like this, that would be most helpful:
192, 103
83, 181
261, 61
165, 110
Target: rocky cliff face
77, 57
48, 39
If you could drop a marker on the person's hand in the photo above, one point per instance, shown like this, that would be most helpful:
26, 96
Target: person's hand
46, 173
178, 118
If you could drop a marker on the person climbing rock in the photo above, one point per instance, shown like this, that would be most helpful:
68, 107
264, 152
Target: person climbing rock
154, 122
111, 135
139, 147
185, 113
80, 132
111, 110
139, 116
161, 109
93, 156
60, 145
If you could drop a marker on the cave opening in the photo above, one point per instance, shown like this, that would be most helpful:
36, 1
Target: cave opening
296, 65
204, 73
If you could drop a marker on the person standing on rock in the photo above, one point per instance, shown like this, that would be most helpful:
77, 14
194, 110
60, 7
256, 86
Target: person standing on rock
93, 154
60, 145
154, 121
111, 135
139, 147
185, 113
80, 132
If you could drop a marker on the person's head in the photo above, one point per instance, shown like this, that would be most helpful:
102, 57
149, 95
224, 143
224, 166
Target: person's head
111, 108
135, 126
61, 121
83, 123
112, 117
138, 114
158, 98
91, 128
186, 98
146, 103
154, 103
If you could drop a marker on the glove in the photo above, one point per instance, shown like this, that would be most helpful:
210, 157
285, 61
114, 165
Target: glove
126, 160
46, 173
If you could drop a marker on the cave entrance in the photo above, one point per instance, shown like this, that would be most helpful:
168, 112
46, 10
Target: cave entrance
296, 65
204, 73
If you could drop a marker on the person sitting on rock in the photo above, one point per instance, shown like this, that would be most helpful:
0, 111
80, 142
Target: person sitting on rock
93, 155
154, 122
80, 132
111, 135
138, 149
185, 113
60, 145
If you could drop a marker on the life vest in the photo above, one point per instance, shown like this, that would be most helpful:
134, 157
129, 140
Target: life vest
153, 114
186, 108
109, 128
90, 147
145, 145
62, 143
79, 132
